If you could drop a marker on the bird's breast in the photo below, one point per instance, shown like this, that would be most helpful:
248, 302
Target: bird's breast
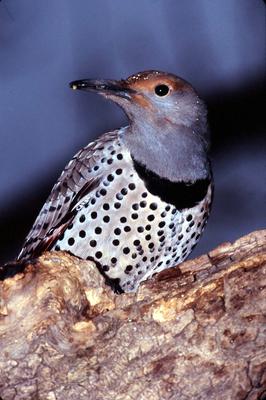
180, 194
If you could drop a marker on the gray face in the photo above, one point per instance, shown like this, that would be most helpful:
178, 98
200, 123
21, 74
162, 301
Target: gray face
168, 125
163, 99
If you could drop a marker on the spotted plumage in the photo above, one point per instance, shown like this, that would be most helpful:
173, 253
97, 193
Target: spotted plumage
132, 218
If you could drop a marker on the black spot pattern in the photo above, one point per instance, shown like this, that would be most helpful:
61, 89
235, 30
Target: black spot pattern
128, 230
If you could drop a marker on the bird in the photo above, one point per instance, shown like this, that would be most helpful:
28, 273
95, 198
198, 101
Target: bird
136, 199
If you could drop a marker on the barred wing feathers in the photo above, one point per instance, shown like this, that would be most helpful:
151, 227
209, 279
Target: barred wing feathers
58, 211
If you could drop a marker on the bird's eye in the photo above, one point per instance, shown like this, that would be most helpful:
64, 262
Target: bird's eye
161, 90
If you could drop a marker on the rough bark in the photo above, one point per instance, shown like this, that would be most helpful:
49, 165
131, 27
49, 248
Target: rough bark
193, 332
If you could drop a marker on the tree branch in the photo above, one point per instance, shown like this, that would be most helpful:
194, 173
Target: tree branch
196, 331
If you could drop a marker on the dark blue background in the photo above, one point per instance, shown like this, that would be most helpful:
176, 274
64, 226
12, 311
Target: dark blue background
219, 46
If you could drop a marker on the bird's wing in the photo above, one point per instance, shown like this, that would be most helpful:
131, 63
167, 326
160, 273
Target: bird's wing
75, 182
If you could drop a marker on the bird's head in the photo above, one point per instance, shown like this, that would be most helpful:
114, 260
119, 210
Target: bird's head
168, 121
151, 97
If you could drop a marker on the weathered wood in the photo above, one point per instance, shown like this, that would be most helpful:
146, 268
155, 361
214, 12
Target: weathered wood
193, 332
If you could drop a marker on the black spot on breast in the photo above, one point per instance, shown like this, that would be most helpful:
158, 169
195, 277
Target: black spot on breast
82, 218
180, 194
103, 192
98, 254
128, 268
71, 241
126, 250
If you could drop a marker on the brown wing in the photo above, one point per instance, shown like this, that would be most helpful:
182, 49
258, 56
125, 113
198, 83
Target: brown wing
74, 183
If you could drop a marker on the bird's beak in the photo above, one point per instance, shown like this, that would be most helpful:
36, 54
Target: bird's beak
107, 88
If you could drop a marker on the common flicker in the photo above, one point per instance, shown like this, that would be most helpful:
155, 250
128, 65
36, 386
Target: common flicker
136, 199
